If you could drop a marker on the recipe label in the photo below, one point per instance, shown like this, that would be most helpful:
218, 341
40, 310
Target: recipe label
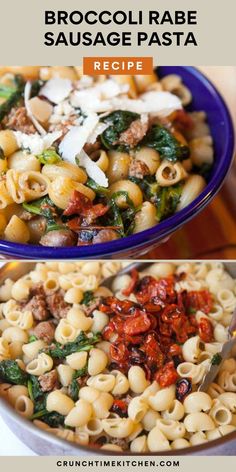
117, 65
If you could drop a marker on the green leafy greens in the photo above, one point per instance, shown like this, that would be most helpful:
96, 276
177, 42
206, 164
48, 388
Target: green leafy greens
49, 156
11, 372
81, 343
44, 207
74, 386
100, 191
87, 298
216, 359
119, 121
13, 98
163, 141
167, 201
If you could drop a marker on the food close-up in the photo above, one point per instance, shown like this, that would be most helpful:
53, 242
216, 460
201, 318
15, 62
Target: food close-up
113, 357
103, 165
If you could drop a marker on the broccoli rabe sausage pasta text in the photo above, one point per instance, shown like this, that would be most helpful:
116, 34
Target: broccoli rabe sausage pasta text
85, 160
120, 369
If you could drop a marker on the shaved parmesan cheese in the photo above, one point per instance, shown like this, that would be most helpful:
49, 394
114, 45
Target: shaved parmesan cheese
27, 93
35, 143
144, 118
98, 98
161, 103
110, 88
92, 169
56, 89
97, 131
76, 138
157, 103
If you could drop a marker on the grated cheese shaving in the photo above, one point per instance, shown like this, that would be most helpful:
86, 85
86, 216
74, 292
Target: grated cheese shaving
57, 89
92, 169
76, 138
27, 93
35, 143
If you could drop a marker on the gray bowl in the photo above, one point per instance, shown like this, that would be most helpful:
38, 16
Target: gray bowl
47, 444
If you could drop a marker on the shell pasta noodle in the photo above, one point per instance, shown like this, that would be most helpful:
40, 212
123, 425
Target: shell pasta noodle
87, 160
119, 369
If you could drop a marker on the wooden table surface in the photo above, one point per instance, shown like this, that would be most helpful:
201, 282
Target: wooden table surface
211, 234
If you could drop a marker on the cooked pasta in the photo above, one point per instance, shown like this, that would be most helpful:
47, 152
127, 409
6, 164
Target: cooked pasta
113, 368
96, 159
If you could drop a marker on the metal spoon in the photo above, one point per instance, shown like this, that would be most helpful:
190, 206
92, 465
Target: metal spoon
220, 357
108, 281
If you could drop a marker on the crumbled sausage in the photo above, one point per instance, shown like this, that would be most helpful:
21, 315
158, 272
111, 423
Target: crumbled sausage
59, 238
91, 147
37, 304
105, 235
26, 215
57, 305
93, 305
45, 331
48, 381
82, 381
18, 120
138, 169
134, 134
63, 126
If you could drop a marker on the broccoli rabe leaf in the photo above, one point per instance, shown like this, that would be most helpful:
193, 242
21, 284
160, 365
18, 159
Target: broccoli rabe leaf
119, 121
73, 388
34, 388
49, 156
100, 191
32, 338
216, 359
44, 207
148, 185
122, 219
163, 141
13, 98
81, 343
87, 298
52, 418
167, 200
11, 372
6, 91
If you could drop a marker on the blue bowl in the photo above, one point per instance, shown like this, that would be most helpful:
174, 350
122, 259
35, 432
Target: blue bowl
205, 97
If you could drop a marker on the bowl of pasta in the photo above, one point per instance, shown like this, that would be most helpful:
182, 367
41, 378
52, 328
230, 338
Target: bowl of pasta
87, 369
108, 166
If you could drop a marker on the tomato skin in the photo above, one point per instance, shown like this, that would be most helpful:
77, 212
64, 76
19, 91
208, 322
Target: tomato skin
137, 325
206, 331
150, 332
134, 279
119, 353
167, 375
170, 313
175, 350
200, 300
120, 407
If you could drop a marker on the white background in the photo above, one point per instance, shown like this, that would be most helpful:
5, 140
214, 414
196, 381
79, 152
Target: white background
225, 79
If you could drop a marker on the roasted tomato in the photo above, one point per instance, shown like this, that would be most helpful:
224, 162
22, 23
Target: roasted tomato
205, 330
167, 375
199, 300
137, 325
